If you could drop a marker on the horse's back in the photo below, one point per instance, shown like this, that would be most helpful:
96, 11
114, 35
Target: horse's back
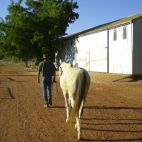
70, 77
71, 74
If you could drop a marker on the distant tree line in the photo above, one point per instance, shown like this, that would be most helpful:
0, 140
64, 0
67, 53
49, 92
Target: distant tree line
28, 32
1, 56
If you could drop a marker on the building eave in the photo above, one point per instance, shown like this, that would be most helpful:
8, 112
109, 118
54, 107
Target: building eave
105, 26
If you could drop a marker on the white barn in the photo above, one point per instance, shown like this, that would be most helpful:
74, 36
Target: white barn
114, 47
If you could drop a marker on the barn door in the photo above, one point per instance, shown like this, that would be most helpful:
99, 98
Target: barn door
98, 51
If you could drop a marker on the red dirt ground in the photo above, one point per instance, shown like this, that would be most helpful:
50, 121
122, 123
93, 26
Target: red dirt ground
112, 112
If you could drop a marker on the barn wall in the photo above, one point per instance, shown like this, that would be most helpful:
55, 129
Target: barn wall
98, 52
137, 46
92, 52
82, 46
101, 53
120, 51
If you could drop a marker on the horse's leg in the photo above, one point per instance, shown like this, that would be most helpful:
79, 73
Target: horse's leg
80, 112
82, 103
81, 109
66, 105
72, 102
69, 103
77, 125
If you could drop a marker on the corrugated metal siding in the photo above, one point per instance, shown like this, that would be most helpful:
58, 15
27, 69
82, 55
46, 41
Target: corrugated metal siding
120, 51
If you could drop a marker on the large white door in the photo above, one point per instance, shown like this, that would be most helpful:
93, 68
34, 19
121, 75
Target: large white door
82, 56
92, 52
98, 52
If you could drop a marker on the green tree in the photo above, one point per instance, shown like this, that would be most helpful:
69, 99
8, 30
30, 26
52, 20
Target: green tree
28, 32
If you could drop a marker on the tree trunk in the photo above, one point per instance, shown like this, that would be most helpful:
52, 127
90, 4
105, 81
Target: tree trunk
26, 63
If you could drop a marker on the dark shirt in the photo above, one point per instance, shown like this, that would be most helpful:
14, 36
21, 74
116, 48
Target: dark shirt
46, 68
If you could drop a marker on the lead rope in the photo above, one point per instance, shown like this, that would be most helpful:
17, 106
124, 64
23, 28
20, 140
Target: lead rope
60, 96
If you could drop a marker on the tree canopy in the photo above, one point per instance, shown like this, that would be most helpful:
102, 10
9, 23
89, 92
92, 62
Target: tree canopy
29, 31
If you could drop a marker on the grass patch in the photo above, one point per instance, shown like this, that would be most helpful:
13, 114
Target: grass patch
11, 63
17, 67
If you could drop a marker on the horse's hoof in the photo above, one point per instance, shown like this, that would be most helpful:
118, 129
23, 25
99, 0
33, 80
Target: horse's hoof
67, 120
80, 137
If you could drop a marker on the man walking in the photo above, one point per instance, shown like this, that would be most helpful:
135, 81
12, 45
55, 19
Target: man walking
48, 70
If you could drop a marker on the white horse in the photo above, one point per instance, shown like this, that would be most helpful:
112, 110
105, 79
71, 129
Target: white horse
74, 83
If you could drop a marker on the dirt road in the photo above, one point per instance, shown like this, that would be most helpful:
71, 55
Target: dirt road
112, 112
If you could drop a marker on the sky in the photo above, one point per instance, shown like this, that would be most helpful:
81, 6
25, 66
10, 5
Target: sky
93, 12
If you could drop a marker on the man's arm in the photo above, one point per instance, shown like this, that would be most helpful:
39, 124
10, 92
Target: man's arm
54, 76
38, 72
38, 77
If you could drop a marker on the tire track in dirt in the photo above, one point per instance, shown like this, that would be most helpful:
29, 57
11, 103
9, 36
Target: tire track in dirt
14, 113
31, 114
8, 113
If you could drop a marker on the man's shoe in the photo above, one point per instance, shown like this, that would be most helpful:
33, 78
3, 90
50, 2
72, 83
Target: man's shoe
46, 106
50, 104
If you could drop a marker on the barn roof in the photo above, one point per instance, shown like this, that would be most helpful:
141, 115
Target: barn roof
106, 26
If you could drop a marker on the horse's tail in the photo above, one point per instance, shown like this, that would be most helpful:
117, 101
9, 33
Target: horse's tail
80, 94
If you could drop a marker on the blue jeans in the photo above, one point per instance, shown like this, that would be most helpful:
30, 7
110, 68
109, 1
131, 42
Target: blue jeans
46, 86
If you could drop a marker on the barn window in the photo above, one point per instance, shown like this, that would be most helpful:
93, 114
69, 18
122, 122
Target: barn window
114, 35
124, 32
